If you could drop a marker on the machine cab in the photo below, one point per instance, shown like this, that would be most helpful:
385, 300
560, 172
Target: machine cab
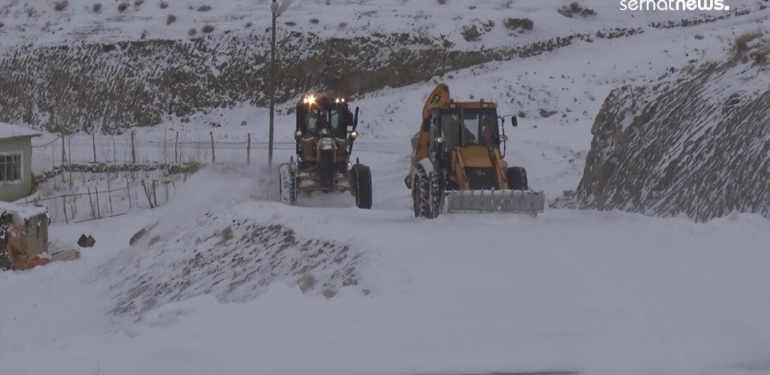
323, 117
463, 125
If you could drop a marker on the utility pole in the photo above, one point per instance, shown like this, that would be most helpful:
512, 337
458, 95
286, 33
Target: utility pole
274, 10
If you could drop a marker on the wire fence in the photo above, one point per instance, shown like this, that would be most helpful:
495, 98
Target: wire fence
76, 196
131, 149
93, 177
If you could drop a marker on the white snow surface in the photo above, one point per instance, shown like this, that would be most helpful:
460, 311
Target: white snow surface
38, 22
596, 293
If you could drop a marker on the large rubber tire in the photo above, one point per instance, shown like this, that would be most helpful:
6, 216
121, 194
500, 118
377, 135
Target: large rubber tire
288, 184
361, 176
424, 198
517, 178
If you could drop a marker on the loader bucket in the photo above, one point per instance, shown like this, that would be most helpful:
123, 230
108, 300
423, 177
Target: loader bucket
503, 201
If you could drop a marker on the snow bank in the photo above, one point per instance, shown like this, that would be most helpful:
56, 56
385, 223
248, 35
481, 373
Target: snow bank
696, 142
215, 239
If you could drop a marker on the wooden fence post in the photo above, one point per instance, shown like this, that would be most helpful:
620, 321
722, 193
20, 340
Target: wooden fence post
213, 157
248, 150
128, 189
64, 198
98, 209
176, 148
93, 210
109, 193
154, 192
93, 143
133, 146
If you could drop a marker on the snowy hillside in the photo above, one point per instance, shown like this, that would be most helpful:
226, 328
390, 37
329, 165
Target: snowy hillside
694, 142
53, 23
135, 67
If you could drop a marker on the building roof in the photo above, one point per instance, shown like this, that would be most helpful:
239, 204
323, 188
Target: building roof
13, 131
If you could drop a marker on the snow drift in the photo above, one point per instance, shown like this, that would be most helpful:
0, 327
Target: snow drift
695, 142
226, 246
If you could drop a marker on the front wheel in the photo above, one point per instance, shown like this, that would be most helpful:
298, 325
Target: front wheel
426, 196
517, 178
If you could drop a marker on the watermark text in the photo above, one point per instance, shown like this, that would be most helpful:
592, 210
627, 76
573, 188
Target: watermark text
673, 5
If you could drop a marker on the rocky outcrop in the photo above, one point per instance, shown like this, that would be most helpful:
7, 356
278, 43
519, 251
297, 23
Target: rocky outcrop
111, 87
696, 142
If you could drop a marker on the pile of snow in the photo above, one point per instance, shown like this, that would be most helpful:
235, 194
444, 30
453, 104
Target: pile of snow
694, 142
216, 240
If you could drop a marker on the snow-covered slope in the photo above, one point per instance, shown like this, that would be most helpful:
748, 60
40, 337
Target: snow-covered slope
54, 23
118, 80
695, 142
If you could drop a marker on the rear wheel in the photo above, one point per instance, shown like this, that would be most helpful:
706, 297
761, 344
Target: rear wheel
288, 184
361, 176
517, 178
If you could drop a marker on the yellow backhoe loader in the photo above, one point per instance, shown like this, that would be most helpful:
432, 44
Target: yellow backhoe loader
324, 135
457, 165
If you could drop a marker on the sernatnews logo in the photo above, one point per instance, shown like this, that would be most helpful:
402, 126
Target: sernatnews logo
673, 5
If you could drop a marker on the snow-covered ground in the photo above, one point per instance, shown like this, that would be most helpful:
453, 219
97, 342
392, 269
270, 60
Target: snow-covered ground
46, 22
596, 293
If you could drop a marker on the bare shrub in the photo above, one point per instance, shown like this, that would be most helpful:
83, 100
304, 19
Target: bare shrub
138, 3
204, 8
192, 32
741, 43
514, 24
307, 283
170, 19
60, 6
471, 34
343, 25
249, 24
163, 5
576, 9
122, 7
1, 25
207, 28
314, 21
442, 2
144, 35
97, 8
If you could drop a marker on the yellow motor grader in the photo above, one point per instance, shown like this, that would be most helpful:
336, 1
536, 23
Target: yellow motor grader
325, 131
457, 165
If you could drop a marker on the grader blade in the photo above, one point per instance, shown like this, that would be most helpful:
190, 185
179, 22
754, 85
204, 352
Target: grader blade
502, 201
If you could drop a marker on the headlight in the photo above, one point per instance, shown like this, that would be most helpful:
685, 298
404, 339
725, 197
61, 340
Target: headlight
440, 139
298, 134
354, 134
